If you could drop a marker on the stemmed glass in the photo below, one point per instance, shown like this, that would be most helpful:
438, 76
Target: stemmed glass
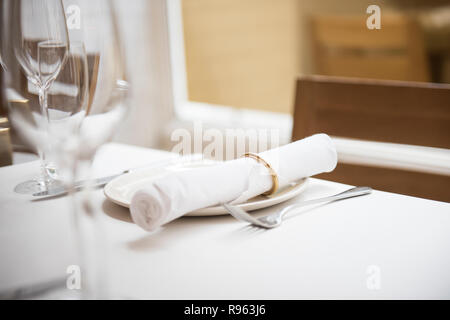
67, 102
40, 42
76, 127
107, 107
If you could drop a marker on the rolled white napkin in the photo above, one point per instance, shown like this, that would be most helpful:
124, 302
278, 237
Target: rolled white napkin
178, 193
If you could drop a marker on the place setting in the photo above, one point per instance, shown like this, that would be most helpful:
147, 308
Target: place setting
165, 190
156, 196
119, 121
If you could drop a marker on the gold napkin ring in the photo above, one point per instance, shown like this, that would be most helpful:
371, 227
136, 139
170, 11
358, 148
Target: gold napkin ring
271, 171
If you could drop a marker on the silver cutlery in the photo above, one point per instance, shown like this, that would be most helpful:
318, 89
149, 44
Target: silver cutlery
58, 190
274, 220
93, 183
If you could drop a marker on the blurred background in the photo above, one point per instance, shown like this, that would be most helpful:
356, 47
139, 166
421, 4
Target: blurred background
237, 64
247, 54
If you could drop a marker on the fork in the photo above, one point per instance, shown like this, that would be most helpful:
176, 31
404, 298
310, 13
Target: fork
274, 220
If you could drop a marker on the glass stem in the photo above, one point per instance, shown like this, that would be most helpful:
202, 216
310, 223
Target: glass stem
43, 97
89, 239
45, 177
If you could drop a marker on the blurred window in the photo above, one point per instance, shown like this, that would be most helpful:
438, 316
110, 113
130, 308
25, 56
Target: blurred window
246, 54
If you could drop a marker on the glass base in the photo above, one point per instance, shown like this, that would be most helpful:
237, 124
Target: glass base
48, 177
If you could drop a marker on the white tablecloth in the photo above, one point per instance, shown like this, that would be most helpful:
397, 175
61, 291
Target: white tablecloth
330, 251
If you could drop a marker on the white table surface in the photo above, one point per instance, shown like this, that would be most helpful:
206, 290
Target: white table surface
323, 252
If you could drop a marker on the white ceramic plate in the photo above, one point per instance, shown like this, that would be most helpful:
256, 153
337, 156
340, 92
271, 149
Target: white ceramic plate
121, 189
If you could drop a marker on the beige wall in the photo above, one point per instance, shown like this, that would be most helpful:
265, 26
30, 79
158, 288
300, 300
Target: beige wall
247, 53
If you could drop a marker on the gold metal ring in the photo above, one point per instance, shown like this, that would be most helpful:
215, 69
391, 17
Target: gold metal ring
271, 171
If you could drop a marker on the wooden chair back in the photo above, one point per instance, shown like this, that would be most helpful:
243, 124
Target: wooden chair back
5, 143
375, 110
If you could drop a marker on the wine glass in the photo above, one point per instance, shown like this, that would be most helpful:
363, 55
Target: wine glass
106, 110
74, 132
66, 109
67, 101
66, 104
37, 34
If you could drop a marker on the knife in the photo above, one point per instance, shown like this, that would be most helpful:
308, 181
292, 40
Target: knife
54, 191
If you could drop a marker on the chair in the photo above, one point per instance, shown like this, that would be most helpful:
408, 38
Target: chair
386, 111
2, 99
344, 46
5, 140
5, 143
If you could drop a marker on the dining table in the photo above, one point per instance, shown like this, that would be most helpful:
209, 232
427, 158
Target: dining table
378, 246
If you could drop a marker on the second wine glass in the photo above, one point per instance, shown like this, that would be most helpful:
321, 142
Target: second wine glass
40, 44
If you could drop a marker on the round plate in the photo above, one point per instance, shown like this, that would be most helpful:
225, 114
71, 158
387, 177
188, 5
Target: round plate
121, 189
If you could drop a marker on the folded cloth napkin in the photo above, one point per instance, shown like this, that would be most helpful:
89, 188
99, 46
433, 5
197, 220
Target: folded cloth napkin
178, 193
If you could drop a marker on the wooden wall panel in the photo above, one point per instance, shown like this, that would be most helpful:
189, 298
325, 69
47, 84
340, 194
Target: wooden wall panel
242, 53
386, 111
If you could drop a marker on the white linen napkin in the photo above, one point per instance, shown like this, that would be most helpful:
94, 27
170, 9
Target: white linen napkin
178, 193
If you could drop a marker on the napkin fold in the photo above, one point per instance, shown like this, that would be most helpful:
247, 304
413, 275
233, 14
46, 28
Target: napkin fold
178, 193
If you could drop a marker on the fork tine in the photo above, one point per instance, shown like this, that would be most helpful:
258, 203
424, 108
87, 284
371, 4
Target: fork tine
274, 220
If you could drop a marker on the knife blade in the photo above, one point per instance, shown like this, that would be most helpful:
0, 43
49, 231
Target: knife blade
60, 190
